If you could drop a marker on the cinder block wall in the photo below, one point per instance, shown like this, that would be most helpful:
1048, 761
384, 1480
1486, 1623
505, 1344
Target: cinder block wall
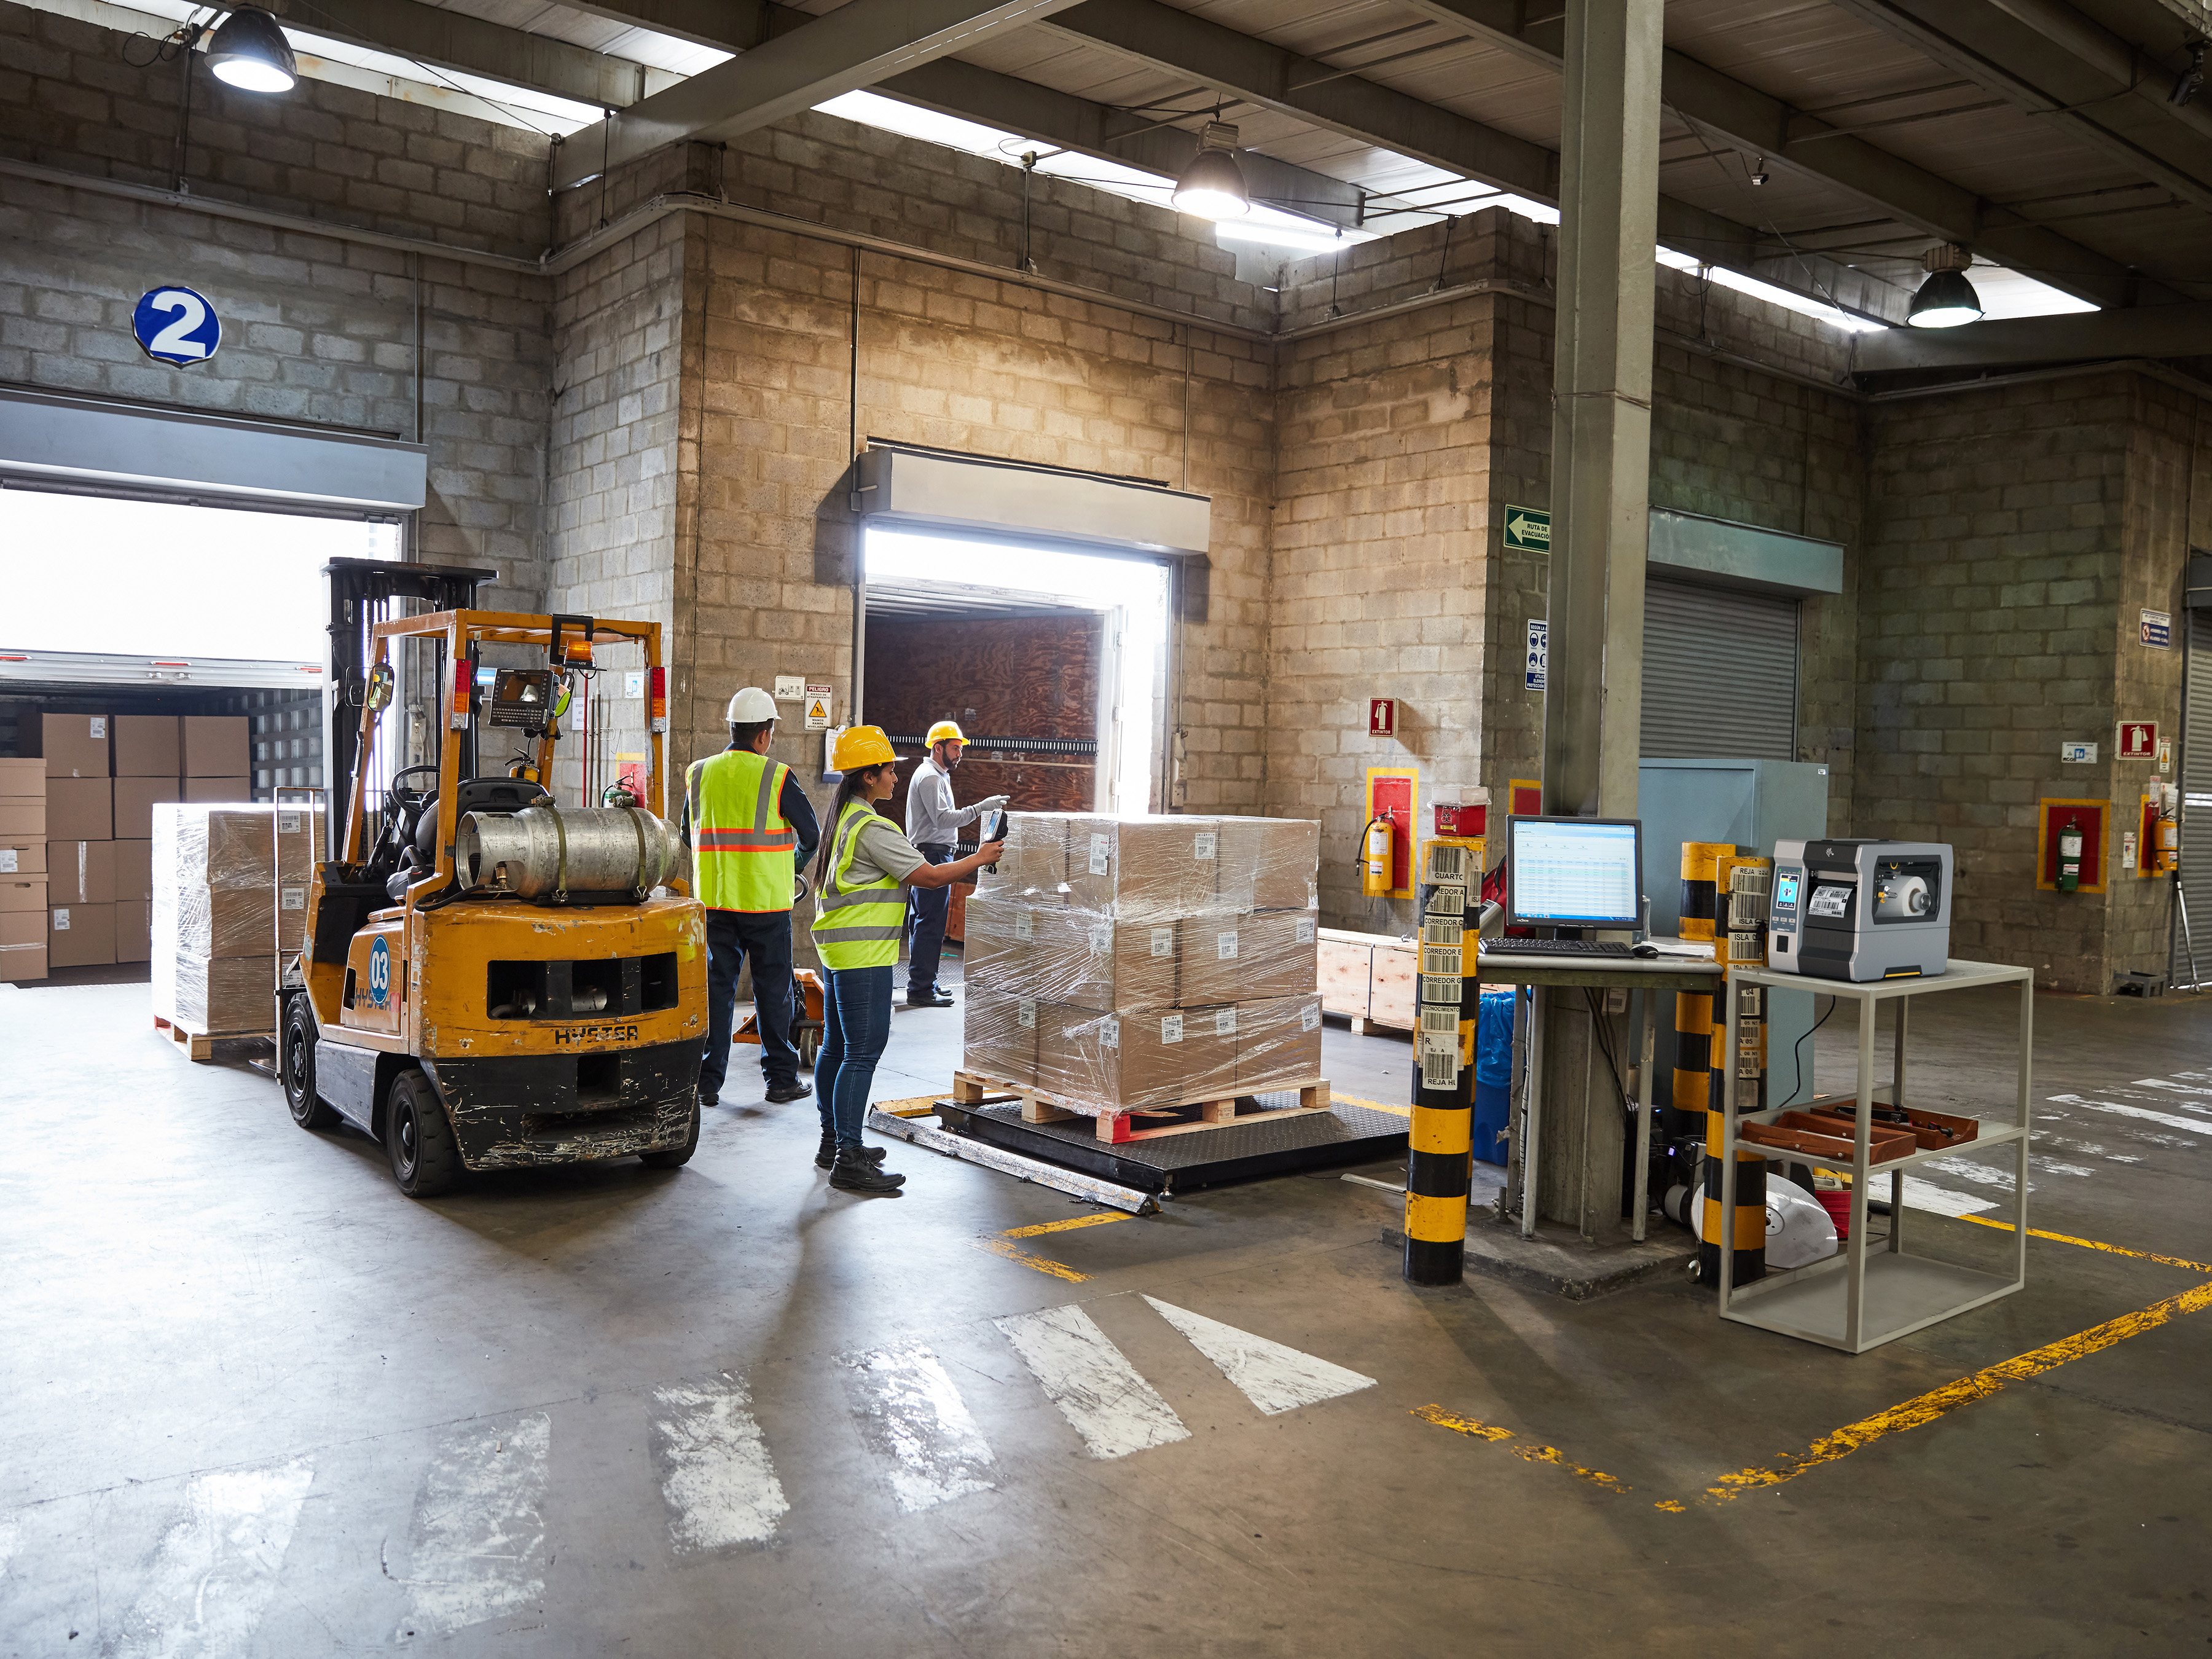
2015, 537
318, 329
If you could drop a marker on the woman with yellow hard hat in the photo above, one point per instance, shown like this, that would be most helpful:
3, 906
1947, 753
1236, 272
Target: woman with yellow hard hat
860, 909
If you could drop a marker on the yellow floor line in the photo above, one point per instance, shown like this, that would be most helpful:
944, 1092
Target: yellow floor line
2092, 1244
1529, 1452
1066, 1226
1043, 1264
1335, 1099
1927, 1407
918, 1106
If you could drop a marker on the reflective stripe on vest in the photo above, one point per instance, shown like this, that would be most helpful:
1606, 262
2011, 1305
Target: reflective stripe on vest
742, 844
857, 927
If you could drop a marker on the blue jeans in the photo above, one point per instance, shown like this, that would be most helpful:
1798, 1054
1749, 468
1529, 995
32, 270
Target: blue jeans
931, 906
856, 1019
765, 937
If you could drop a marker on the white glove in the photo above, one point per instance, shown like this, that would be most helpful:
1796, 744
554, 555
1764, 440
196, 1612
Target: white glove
990, 804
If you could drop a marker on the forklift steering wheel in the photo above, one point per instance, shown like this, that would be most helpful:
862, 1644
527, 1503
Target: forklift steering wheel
409, 798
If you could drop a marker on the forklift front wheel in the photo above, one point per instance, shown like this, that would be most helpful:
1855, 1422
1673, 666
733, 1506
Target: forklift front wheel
675, 1157
424, 1160
296, 1063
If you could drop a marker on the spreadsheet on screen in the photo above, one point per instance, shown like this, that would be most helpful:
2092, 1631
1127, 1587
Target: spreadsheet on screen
1568, 870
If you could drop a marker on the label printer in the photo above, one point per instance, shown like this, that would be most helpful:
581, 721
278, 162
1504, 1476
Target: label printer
1860, 911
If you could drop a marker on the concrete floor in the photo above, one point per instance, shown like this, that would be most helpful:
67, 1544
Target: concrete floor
258, 1403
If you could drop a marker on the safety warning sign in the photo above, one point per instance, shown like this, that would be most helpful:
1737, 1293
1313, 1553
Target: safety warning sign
817, 709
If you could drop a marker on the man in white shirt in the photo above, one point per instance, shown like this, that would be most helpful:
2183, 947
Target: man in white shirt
932, 824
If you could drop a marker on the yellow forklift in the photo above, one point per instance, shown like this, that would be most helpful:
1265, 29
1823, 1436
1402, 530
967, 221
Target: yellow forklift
488, 980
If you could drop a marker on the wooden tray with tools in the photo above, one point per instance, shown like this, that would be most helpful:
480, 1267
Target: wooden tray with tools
1932, 1130
1820, 1137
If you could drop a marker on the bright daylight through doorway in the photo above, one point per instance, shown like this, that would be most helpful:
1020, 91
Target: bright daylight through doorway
1138, 588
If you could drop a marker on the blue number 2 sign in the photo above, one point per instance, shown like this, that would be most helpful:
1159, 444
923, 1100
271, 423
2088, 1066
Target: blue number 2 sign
176, 326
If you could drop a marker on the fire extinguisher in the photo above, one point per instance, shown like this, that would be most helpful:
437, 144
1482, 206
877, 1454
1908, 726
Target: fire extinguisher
1377, 876
2169, 827
2069, 856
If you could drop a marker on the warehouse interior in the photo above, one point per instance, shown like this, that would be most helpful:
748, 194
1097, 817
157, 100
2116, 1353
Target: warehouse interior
1595, 625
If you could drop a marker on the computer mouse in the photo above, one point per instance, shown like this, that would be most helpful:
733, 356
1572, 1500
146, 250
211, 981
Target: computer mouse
1644, 951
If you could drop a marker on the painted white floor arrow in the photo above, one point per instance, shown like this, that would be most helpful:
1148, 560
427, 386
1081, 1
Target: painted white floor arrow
1097, 1388
715, 1472
1273, 1377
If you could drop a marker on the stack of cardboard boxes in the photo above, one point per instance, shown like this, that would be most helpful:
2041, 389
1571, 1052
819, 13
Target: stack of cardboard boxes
217, 901
23, 869
1117, 964
80, 820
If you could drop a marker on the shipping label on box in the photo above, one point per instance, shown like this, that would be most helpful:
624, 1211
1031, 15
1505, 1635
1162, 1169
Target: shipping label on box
1134, 1057
1136, 868
83, 936
1237, 958
75, 745
1091, 961
1278, 1043
23, 857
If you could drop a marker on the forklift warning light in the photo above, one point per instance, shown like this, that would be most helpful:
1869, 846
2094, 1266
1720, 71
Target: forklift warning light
460, 719
659, 710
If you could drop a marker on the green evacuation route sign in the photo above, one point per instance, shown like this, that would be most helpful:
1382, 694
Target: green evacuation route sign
1528, 530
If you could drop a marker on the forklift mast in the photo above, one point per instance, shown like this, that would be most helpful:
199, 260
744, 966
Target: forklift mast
363, 593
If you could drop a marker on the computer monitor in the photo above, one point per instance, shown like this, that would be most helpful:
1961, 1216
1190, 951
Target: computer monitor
1574, 873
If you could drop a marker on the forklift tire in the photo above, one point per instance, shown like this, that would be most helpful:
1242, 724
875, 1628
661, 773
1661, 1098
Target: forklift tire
809, 1045
424, 1160
296, 1065
675, 1157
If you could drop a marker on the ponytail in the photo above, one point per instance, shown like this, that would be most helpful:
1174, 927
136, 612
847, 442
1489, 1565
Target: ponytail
848, 791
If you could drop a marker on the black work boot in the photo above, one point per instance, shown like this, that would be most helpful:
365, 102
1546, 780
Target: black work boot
854, 1171
826, 1153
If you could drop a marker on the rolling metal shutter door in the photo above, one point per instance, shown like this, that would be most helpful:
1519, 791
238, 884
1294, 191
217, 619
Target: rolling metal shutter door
2196, 873
1720, 674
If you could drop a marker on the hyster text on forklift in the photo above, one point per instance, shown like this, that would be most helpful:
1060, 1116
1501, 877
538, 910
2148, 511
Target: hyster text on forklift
488, 980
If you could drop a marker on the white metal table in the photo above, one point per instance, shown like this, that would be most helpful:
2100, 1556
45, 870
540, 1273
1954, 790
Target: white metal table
1856, 1300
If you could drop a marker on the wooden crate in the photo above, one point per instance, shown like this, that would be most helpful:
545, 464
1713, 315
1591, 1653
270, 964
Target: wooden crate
1395, 994
1346, 965
970, 1088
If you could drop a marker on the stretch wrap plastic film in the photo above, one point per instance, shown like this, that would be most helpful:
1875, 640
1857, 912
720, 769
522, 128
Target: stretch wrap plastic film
1125, 963
214, 910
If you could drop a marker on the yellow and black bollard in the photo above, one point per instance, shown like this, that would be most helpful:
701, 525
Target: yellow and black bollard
1700, 903
1746, 1230
1440, 1146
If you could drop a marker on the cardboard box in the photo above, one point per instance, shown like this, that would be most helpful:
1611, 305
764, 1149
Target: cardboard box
82, 871
1087, 960
1138, 867
75, 745
81, 936
214, 746
22, 821
991, 951
235, 994
225, 921
146, 746
21, 855
130, 933
20, 898
1000, 1036
1229, 958
1144, 1056
22, 780
1270, 864
80, 809
227, 792
1035, 861
134, 870
1278, 1043
22, 945
135, 801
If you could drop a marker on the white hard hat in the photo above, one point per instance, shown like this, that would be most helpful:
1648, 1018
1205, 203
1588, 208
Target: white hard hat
750, 707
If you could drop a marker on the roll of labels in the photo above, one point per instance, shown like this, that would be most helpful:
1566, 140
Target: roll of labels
1724, 898
1440, 1145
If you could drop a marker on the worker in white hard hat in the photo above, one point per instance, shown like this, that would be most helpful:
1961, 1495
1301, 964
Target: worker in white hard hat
932, 825
751, 830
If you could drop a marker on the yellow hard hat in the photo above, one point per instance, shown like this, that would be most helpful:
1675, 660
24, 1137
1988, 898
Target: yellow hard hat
861, 746
947, 731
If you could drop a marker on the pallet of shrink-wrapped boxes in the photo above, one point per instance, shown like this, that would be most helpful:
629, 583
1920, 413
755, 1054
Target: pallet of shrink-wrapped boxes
1151, 972
220, 923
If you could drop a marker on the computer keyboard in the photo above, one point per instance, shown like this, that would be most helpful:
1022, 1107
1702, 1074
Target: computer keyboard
1554, 947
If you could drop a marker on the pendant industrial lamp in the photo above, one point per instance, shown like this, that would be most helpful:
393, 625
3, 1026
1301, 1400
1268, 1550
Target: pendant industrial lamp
250, 52
1212, 185
1946, 299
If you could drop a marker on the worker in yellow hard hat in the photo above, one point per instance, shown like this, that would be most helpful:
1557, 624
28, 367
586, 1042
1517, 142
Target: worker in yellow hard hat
860, 884
750, 829
932, 824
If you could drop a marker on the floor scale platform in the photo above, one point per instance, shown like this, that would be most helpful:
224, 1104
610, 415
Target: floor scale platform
1259, 1146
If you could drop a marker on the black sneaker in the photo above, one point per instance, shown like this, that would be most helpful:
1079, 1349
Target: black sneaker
825, 1155
782, 1094
854, 1172
927, 999
710, 1100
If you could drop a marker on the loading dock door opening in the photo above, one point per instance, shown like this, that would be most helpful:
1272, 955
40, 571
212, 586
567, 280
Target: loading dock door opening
140, 580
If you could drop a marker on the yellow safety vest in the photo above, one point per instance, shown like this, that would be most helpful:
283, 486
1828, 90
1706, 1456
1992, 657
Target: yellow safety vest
856, 926
742, 845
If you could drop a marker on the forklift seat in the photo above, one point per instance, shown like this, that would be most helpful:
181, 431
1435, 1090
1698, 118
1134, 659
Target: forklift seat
474, 795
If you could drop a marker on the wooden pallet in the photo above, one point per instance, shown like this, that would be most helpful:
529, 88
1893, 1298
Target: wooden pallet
1185, 1117
199, 1046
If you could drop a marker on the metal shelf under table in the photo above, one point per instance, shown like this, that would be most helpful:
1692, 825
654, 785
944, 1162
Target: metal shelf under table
1858, 1299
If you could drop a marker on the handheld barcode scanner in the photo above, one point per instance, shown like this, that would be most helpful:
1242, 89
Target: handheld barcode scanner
998, 832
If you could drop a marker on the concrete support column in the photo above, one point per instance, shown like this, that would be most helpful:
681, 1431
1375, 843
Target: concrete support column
1601, 407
